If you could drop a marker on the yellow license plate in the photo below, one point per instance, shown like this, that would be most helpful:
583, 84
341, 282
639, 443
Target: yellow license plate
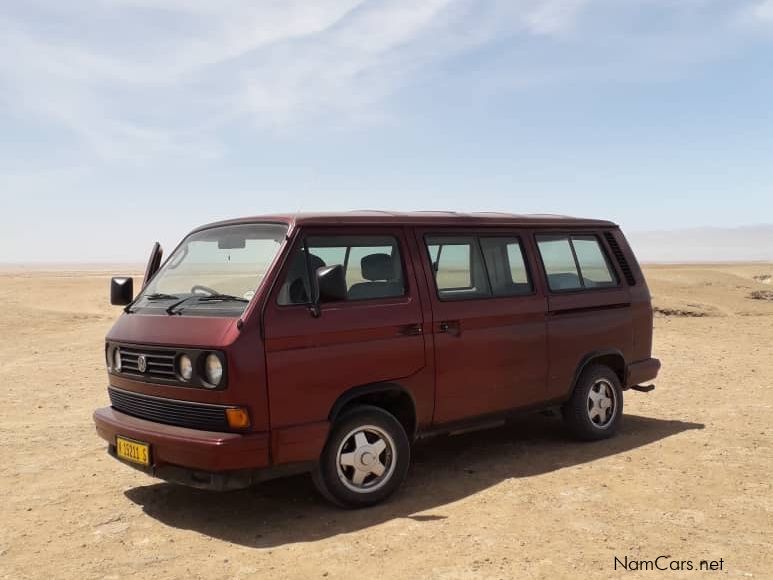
133, 451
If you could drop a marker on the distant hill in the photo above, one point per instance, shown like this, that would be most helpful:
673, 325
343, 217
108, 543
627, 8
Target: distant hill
703, 244
706, 244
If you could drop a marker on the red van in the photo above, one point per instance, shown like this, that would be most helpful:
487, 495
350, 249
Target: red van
329, 343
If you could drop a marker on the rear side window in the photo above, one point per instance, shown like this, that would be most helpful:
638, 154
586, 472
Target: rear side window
593, 264
575, 263
372, 266
457, 267
560, 266
506, 266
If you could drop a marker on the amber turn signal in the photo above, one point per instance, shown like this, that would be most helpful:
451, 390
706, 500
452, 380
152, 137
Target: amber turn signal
238, 418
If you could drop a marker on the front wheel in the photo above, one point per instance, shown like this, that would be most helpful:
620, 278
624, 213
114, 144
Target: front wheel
595, 410
365, 459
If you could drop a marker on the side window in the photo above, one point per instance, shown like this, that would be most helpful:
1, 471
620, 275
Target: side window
594, 267
575, 263
560, 267
354, 271
372, 266
330, 255
452, 265
457, 266
506, 266
515, 257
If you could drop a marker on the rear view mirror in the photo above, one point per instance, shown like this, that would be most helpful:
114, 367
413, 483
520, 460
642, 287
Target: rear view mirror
232, 243
331, 283
121, 290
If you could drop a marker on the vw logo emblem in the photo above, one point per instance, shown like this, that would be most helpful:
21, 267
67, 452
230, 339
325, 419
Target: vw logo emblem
142, 363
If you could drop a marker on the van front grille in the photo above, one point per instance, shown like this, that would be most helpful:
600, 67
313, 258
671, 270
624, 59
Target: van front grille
159, 364
170, 411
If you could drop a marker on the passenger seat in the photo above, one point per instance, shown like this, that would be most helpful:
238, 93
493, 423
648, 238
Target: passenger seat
383, 281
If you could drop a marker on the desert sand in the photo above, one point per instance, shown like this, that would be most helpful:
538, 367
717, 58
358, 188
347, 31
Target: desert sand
688, 477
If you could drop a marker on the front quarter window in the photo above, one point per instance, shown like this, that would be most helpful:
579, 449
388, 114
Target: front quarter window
214, 271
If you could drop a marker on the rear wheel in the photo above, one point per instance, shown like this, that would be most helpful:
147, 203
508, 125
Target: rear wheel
595, 410
365, 459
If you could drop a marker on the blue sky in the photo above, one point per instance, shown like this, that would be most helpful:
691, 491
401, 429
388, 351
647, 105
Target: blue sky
122, 122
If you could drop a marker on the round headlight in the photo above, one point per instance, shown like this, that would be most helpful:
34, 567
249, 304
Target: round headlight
213, 369
117, 360
185, 367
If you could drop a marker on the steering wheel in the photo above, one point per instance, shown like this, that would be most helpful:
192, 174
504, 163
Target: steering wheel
199, 289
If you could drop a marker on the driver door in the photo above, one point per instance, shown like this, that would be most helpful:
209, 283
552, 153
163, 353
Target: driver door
374, 336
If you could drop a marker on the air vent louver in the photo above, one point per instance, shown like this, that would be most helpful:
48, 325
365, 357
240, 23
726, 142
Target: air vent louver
620, 257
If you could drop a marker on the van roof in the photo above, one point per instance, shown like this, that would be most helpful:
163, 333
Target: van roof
432, 218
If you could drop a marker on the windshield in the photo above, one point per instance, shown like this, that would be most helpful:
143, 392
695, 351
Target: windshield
215, 271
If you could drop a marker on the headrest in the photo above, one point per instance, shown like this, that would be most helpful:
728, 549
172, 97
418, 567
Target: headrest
377, 267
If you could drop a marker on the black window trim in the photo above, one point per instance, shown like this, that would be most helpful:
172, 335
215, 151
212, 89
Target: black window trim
301, 245
476, 235
568, 235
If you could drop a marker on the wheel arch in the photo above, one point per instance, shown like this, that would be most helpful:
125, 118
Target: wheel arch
612, 358
390, 396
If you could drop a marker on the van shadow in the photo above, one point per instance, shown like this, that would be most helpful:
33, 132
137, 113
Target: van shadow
445, 469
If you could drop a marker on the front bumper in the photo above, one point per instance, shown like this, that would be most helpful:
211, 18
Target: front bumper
182, 448
641, 372
215, 480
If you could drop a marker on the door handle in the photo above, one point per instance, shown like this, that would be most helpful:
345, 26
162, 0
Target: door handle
451, 327
411, 330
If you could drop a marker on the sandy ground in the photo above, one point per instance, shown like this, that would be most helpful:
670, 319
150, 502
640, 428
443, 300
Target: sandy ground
689, 476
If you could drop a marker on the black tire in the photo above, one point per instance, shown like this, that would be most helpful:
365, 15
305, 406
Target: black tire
588, 417
375, 424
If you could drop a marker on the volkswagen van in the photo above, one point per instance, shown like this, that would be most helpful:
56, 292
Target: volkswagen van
329, 343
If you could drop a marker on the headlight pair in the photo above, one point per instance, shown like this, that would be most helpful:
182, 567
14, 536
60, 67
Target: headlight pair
212, 368
191, 367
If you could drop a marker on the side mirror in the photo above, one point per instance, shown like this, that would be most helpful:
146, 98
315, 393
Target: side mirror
331, 283
121, 290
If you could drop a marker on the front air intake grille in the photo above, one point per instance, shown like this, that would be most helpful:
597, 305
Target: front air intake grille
159, 364
169, 411
620, 257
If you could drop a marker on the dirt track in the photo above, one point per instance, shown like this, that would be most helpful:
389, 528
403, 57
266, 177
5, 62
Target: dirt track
689, 476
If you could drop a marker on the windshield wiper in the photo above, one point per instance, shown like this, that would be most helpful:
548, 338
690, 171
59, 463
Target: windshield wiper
150, 297
172, 309
161, 296
222, 298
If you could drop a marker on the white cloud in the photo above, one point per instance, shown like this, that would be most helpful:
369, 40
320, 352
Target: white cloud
277, 61
98, 89
554, 16
141, 79
762, 11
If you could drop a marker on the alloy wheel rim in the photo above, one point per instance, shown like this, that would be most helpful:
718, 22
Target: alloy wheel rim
365, 460
602, 404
